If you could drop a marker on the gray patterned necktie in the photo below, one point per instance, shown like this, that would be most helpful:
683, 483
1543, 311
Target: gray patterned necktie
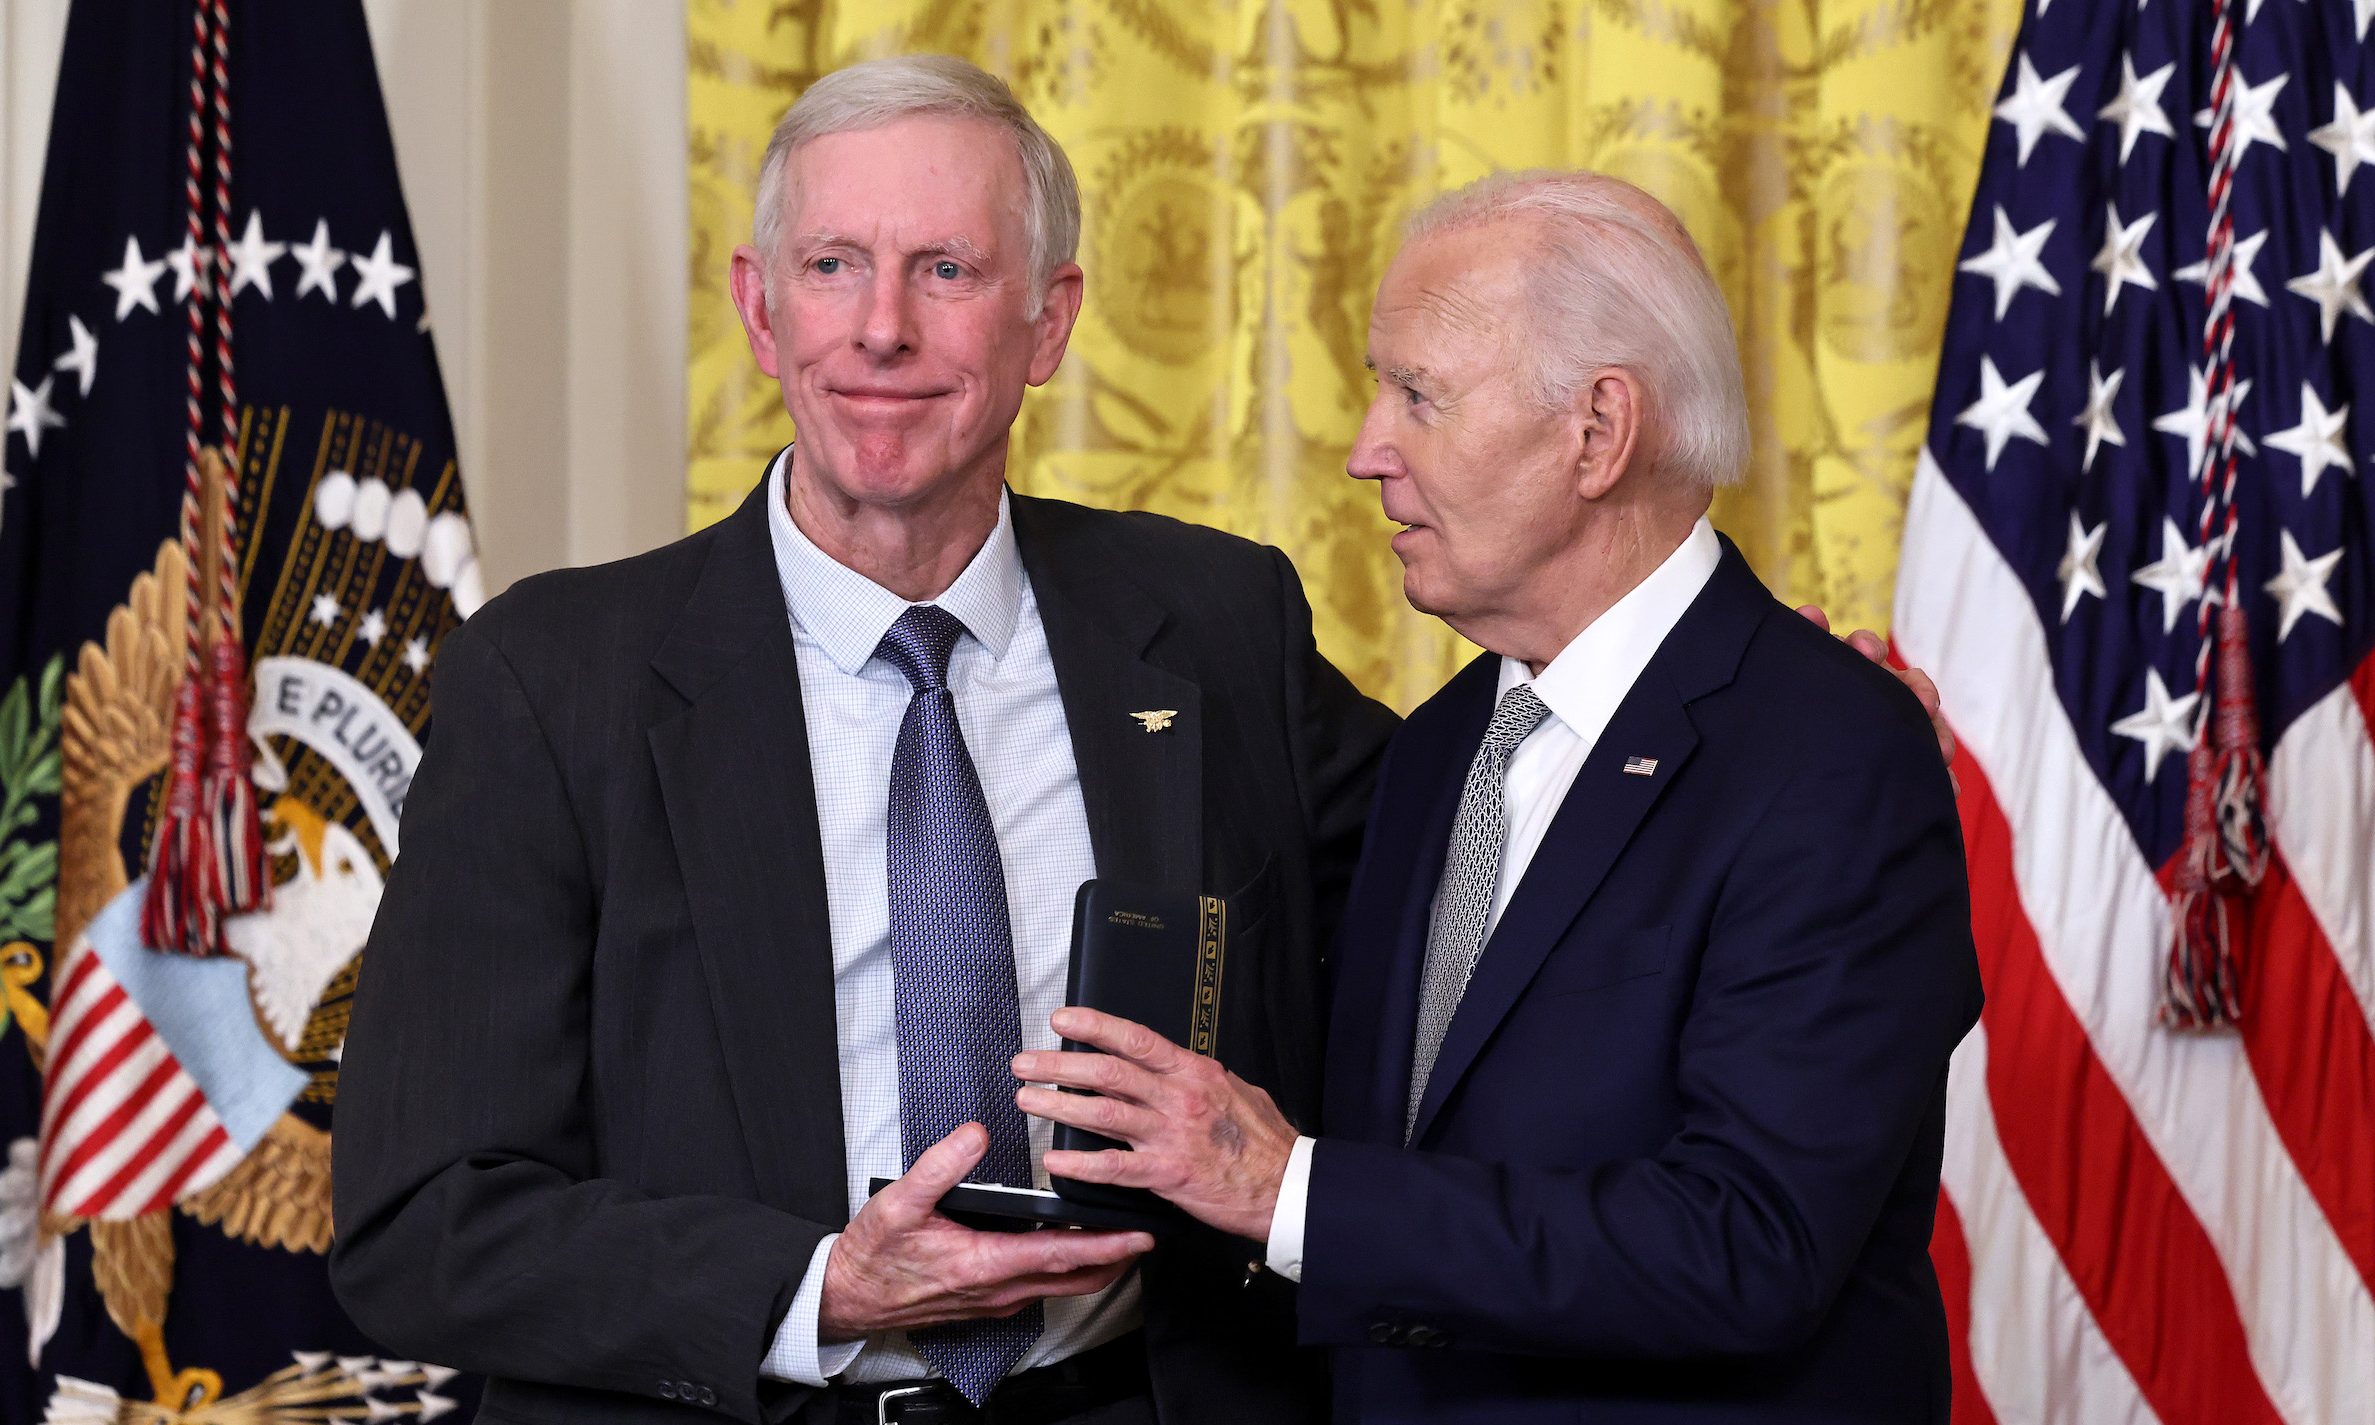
952, 959
1471, 873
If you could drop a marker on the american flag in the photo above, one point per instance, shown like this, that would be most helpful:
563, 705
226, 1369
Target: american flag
2139, 1222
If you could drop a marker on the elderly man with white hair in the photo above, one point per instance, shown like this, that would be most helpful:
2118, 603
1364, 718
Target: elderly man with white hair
735, 875
1659, 944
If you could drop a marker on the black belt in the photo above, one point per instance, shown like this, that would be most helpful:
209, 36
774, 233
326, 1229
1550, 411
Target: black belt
1042, 1395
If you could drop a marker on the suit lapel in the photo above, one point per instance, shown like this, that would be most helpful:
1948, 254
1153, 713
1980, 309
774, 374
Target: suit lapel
1143, 789
1604, 809
741, 806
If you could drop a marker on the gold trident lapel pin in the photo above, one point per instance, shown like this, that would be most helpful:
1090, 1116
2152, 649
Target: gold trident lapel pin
1156, 719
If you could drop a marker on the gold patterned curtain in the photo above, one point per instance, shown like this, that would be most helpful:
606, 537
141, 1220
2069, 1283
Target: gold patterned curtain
1245, 168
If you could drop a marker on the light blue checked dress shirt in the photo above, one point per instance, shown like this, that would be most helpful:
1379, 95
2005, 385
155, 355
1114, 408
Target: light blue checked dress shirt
1013, 718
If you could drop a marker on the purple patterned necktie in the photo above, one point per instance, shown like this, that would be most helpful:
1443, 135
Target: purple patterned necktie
952, 955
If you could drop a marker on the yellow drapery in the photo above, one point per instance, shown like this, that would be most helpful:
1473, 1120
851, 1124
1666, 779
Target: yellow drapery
1245, 167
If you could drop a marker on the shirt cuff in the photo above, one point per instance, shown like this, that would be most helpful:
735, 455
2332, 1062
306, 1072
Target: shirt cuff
1285, 1250
796, 1354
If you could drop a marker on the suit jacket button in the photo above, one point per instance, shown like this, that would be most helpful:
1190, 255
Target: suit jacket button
667, 1390
1426, 1336
1382, 1332
708, 1396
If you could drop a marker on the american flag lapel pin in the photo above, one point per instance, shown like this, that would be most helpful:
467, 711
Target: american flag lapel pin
1641, 766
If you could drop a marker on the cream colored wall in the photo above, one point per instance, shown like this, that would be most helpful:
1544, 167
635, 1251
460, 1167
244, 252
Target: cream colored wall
542, 144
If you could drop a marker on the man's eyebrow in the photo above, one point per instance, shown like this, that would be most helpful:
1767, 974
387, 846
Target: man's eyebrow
1407, 375
955, 246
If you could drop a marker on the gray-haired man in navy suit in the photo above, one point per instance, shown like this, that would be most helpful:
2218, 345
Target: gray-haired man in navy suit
1659, 946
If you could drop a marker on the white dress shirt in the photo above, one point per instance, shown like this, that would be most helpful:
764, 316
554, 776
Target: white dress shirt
1007, 703
1582, 687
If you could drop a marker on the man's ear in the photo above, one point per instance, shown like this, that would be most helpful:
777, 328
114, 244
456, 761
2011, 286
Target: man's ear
746, 278
1052, 329
1608, 417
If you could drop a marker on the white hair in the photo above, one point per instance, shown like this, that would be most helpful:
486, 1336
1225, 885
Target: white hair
1619, 283
881, 91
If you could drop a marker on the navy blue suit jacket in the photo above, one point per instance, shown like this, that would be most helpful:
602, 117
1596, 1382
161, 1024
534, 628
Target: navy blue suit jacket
1678, 1158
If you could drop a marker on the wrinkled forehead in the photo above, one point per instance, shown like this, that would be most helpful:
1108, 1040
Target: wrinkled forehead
1462, 287
923, 182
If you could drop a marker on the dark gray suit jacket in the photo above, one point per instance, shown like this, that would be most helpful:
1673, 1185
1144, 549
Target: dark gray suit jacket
589, 1129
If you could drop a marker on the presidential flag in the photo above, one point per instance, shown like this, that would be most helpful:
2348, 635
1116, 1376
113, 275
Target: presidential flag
231, 536
2137, 561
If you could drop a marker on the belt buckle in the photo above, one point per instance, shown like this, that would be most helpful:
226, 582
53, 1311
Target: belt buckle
882, 1402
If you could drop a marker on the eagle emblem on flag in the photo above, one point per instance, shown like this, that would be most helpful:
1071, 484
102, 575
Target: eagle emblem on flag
233, 523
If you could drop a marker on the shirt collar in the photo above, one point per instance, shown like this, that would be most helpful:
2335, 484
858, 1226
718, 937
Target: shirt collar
848, 613
1583, 685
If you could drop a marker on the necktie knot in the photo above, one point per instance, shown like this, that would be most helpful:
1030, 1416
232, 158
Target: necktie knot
919, 645
1520, 711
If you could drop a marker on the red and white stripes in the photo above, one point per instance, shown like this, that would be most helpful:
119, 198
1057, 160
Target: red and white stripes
2155, 1225
125, 1130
